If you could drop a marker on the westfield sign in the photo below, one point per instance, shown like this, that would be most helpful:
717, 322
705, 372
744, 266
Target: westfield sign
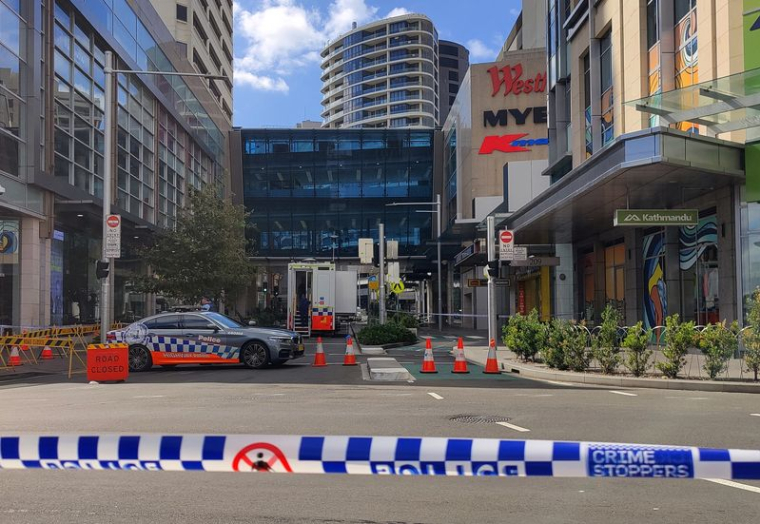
510, 77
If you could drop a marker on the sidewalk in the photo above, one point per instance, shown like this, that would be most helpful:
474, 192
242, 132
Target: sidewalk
509, 363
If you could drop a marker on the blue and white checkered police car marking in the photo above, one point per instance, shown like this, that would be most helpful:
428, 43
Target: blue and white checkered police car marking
183, 345
375, 456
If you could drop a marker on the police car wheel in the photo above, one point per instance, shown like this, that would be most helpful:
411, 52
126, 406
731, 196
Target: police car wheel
254, 355
139, 358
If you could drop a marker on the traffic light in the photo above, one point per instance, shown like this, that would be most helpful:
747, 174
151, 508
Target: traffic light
492, 269
276, 291
265, 287
101, 269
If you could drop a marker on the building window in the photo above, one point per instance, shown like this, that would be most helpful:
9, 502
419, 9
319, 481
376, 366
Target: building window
605, 62
451, 175
653, 45
182, 13
552, 39
686, 59
454, 76
589, 135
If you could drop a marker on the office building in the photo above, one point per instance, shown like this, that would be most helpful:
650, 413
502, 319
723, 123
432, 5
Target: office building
382, 75
168, 136
453, 62
642, 99
202, 30
315, 193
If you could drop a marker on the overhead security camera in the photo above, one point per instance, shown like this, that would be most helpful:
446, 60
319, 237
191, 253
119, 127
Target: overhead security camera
2, 190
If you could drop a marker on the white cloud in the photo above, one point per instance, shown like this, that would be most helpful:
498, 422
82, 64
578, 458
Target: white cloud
280, 36
480, 51
398, 11
262, 83
514, 12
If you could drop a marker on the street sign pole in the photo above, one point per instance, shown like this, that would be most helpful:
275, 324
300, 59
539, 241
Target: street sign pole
491, 248
105, 283
381, 291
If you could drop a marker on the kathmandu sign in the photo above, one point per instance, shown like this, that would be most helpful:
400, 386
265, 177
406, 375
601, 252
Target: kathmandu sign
656, 217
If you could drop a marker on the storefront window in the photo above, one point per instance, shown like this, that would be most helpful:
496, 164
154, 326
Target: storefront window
698, 259
10, 242
588, 285
655, 288
614, 271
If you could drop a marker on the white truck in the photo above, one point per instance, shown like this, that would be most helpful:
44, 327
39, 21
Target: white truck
320, 298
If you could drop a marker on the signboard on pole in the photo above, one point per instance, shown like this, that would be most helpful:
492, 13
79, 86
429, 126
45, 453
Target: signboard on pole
112, 248
520, 253
506, 244
536, 262
656, 217
366, 250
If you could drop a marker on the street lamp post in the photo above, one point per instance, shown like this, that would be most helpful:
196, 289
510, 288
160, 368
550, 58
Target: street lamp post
437, 211
106, 297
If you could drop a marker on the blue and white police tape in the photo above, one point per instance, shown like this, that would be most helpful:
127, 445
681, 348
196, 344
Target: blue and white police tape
375, 456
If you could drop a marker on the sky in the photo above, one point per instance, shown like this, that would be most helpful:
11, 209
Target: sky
277, 45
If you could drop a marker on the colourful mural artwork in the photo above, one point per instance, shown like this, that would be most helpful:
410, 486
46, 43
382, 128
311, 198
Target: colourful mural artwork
695, 239
687, 61
655, 296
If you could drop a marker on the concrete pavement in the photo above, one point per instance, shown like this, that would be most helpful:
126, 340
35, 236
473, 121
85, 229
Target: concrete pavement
295, 399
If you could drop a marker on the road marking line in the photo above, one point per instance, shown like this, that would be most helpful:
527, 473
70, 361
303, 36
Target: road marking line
435, 396
475, 337
737, 485
149, 396
754, 414
624, 393
365, 372
512, 426
560, 383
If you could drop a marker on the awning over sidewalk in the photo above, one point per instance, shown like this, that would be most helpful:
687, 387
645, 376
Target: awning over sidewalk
659, 168
725, 104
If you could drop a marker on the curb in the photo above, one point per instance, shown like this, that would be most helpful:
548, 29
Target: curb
388, 369
622, 381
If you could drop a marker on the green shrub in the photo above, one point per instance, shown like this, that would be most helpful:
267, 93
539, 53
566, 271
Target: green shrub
751, 335
390, 333
679, 336
605, 345
525, 335
577, 355
638, 355
553, 352
718, 343
406, 320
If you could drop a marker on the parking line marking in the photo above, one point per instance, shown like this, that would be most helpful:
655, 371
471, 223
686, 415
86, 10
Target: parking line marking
624, 393
512, 426
435, 396
737, 485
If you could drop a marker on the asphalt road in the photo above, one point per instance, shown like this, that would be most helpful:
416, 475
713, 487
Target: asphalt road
299, 399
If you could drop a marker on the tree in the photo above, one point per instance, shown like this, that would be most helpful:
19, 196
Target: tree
525, 335
718, 343
605, 347
679, 336
205, 255
639, 354
751, 335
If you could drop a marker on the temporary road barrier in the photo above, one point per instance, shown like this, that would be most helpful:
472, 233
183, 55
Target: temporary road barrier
374, 456
108, 362
66, 348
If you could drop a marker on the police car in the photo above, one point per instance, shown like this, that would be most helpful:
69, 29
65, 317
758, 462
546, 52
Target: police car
199, 337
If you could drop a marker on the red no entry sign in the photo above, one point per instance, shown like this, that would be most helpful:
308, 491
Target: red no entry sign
113, 221
506, 237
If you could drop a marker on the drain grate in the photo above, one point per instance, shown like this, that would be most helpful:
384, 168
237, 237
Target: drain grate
478, 419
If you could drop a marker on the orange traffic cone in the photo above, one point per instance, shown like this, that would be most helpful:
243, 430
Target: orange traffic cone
47, 353
428, 363
460, 364
350, 358
319, 358
15, 357
491, 365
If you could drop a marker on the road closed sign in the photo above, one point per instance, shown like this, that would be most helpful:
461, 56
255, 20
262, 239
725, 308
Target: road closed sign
506, 244
112, 247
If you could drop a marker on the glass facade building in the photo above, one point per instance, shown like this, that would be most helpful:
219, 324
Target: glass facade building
168, 136
316, 192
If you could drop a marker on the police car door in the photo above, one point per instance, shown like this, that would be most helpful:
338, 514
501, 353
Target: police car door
206, 341
163, 330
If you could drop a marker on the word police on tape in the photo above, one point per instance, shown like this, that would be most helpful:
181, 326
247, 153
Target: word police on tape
374, 456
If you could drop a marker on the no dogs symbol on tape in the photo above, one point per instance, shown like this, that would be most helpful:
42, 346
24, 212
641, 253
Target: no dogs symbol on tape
263, 457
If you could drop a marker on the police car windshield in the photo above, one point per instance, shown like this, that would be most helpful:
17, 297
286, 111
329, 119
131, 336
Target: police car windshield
224, 321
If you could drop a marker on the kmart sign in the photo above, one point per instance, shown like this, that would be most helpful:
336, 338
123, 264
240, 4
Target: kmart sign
656, 217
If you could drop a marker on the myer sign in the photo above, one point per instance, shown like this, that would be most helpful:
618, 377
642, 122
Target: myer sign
656, 217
